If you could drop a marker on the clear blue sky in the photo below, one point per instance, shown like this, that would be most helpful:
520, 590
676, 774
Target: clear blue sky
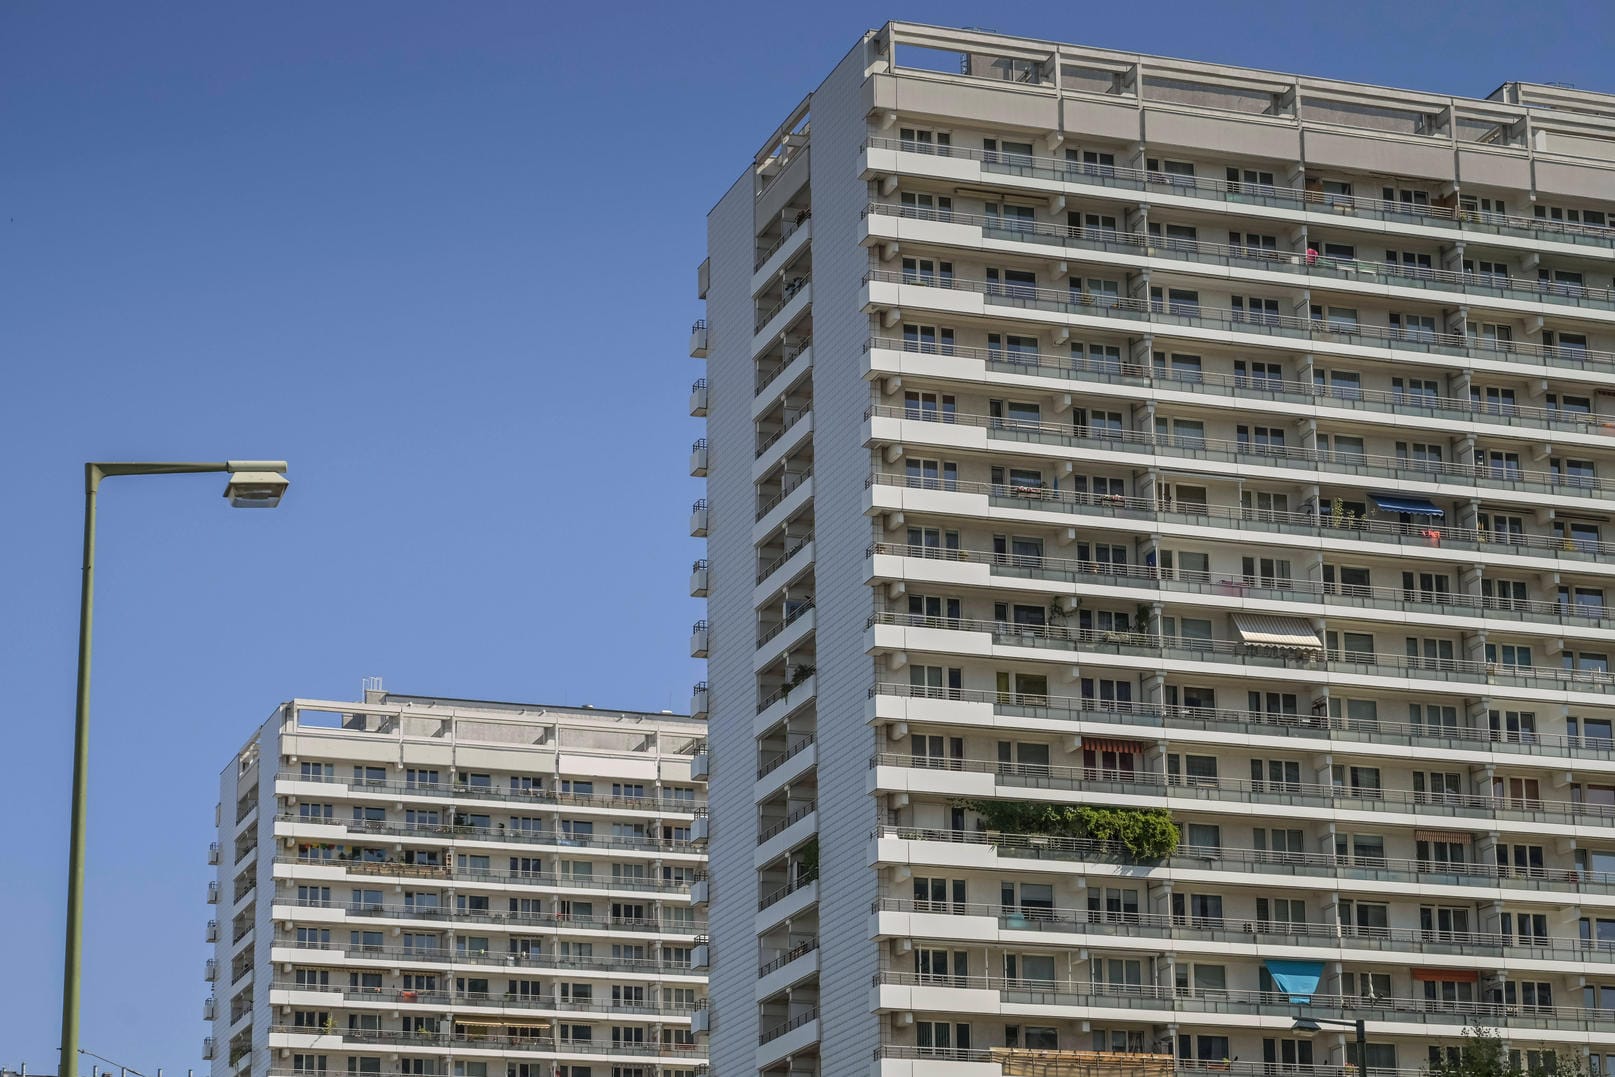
442, 258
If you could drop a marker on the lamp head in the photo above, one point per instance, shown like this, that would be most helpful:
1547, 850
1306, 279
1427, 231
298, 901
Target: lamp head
1306, 1024
256, 484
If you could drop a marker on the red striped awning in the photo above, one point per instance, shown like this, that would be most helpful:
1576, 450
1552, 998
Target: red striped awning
1449, 976
1107, 744
1441, 835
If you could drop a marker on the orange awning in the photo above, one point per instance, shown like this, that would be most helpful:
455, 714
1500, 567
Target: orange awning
1451, 976
1107, 744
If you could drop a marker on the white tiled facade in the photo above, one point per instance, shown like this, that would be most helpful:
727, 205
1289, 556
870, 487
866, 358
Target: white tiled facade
413, 885
1088, 428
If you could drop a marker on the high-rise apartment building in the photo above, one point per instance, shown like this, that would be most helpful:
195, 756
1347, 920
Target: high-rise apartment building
452, 888
1102, 449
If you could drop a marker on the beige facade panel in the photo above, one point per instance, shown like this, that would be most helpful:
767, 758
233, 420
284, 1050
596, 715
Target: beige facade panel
992, 105
1366, 153
880, 93
1575, 181
608, 766
1494, 169
1101, 120
496, 758
1234, 137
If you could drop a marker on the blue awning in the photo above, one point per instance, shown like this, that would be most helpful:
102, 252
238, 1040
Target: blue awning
1413, 506
1298, 979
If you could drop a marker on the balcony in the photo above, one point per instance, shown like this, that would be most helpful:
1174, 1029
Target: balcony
339, 869
700, 701
213, 893
1346, 404
700, 579
1297, 663
1331, 208
210, 971
956, 848
698, 399
701, 827
789, 968
207, 1047
384, 956
1213, 259
1292, 462
1012, 780
700, 636
900, 918
698, 459
461, 790
701, 763
795, 294
508, 921
1321, 525
1145, 317
543, 836
796, 360
698, 519
786, 902
296, 1037
780, 837
508, 1002
209, 1008
212, 933
213, 853
787, 1037
1046, 998
698, 340
1478, 743
989, 569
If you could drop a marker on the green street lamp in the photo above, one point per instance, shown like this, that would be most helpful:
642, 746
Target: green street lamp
252, 484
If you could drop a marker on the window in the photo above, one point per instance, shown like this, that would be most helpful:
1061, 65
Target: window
1261, 440
1254, 309
941, 1035
936, 894
1171, 172
932, 474
1340, 384
929, 407
927, 271
1004, 216
922, 205
1261, 376
920, 140
1013, 414
1178, 367
1009, 348
928, 339
1197, 910
1113, 905
1183, 302
1003, 151
1011, 283
935, 682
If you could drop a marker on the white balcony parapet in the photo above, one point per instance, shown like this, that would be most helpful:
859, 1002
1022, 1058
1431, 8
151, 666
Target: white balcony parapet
698, 340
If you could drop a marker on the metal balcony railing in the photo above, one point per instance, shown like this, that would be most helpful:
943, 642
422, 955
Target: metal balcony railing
1097, 641
532, 798
1072, 300
1309, 263
1196, 447
1421, 945
1483, 808
1317, 725
1137, 179
1267, 862
1324, 524
1240, 1000
1037, 566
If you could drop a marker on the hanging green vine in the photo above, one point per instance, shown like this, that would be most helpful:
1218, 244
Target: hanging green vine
1147, 833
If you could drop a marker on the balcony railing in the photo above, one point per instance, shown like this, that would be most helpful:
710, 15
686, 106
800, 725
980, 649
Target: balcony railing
443, 955
551, 879
1126, 371
794, 1023
799, 950
1344, 867
551, 920
456, 832
1122, 1064
767, 374
1237, 1000
1482, 807
1152, 577
1324, 524
1147, 644
801, 744
1305, 263
793, 288
1192, 314
1418, 943
789, 483
800, 813
1269, 723
797, 611
779, 894
1261, 194
791, 550
1194, 447
542, 799
425, 1038
484, 1000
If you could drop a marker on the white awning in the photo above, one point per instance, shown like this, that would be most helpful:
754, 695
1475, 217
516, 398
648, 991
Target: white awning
1268, 631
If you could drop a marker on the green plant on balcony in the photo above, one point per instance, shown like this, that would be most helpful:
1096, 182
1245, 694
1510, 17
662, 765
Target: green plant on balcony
799, 673
1484, 1054
807, 868
1147, 833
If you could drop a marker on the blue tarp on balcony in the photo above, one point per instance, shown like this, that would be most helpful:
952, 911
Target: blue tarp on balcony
1413, 506
1298, 979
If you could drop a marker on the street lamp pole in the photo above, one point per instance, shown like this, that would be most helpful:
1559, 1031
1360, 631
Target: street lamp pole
1313, 1024
253, 483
